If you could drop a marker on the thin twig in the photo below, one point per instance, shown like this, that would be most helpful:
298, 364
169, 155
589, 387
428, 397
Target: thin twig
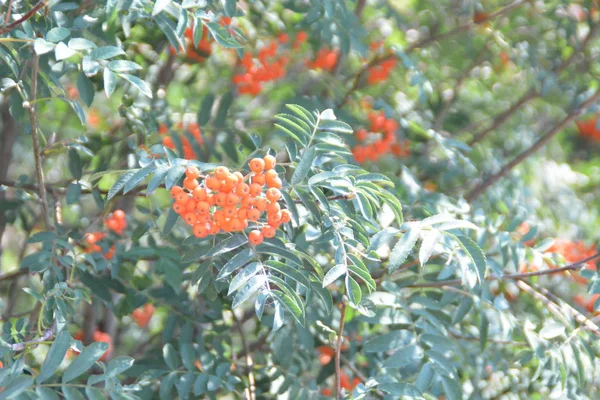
36, 141
479, 189
551, 302
47, 335
514, 277
8, 12
24, 18
338, 349
360, 6
251, 389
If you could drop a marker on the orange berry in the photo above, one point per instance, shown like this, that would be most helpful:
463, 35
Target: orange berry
274, 219
226, 225
178, 207
270, 175
255, 190
190, 184
226, 186
175, 190
214, 228
247, 201
242, 189
211, 199
199, 194
239, 177
286, 216
232, 200
275, 183
230, 212
199, 230
213, 183
242, 213
112, 224
273, 208
261, 204
119, 214
190, 206
221, 199
192, 172
219, 216
259, 179
253, 214
236, 225
204, 217
268, 231
221, 173
255, 237
270, 161
202, 207
273, 194
182, 198
257, 165
190, 218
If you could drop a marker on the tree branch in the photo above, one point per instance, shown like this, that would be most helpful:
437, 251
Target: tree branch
513, 277
24, 18
251, 389
492, 179
47, 335
30, 107
338, 349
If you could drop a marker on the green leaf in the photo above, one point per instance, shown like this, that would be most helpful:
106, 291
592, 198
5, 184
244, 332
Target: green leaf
403, 357
116, 188
353, 290
205, 109
248, 290
222, 36
105, 52
46, 393
227, 245
84, 361
110, 82
403, 248
303, 167
234, 263
16, 386
72, 393
334, 273
292, 306
121, 66
93, 393
244, 276
159, 6
484, 326
224, 106
55, 356
42, 47
141, 85
79, 44
335, 126
429, 241
452, 388
118, 365
62, 52
57, 34
138, 177
172, 218
389, 342
170, 356
475, 254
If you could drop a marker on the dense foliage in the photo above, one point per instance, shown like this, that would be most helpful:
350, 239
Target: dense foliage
299, 199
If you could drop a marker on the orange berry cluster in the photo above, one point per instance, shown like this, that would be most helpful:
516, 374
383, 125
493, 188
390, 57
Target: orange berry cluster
115, 222
386, 143
223, 201
188, 150
99, 336
325, 59
588, 128
266, 67
142, 315
345, 384
381, 72
196, 54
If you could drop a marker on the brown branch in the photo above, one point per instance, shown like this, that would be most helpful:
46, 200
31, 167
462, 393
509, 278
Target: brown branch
24, 18
551, 301
360, 6
12, 275
47, 335
251, 389
338, 349
492, 179
30, 107
8, 12
513, 277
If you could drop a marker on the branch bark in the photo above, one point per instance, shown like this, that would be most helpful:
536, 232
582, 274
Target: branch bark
338, 349
47, 335
24, 18
492, 179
